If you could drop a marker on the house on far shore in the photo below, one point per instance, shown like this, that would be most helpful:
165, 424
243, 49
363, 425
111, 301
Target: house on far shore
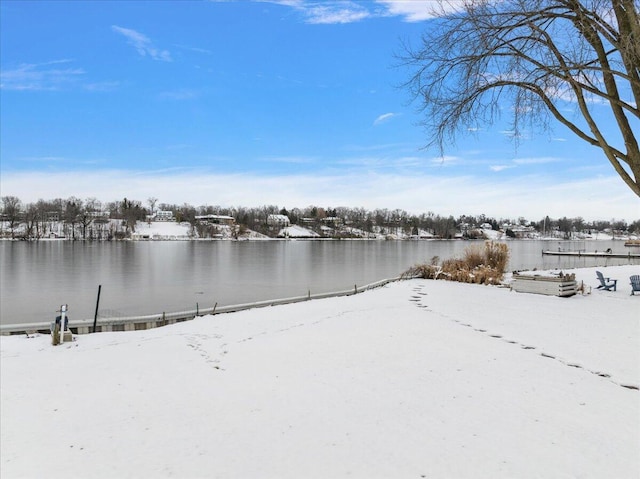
278, 221
163, 215
216, 220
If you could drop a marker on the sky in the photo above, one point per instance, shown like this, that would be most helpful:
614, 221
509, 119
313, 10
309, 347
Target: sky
249, 103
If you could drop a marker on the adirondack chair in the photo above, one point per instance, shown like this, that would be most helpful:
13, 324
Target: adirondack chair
635, 283
606, 283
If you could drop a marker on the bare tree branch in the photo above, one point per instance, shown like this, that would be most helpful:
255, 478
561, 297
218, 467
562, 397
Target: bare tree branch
538, 56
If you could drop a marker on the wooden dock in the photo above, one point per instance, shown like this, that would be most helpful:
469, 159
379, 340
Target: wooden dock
592, 254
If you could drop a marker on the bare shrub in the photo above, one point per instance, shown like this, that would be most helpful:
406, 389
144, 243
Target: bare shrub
424, 271
479, 265
474, 256
496, 255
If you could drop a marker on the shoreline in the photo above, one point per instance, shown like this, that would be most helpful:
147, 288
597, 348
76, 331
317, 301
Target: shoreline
302, 238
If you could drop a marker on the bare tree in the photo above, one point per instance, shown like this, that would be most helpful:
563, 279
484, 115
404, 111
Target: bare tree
12, 211
87, 214
152, 201
132, 211
72, 209
31, 222
540, 56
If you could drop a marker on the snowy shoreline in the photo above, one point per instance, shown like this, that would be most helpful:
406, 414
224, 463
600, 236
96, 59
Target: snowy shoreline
418, 378
173, 231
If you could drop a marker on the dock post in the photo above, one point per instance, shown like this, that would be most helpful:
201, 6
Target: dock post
95, 316
63, 318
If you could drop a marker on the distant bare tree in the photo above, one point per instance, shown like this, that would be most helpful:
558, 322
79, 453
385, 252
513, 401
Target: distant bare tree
72, 210
540, 56
152, 204
32, 231
12, 210
132, 211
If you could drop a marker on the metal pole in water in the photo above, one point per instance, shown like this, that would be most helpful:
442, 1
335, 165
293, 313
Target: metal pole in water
95, 316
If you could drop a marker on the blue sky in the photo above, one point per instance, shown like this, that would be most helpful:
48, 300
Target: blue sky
249, 103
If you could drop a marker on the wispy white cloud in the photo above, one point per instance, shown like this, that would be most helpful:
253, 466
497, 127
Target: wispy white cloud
143, 45
347, 11
326, 12
204, 51
445, 160
537, 160
419, 10
51, 75
378, 163
498, 168
383, 118
289, 160
380, 147
338, 12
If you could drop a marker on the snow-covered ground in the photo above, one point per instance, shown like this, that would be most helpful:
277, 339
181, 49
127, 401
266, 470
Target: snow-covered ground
417, 379
296, 231
162, 230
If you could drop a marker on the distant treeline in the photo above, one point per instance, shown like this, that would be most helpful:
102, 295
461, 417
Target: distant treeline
92, 219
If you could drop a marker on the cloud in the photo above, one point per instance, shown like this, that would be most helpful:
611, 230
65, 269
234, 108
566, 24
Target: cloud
530, 196
376, 163
498, 168
444, 160
326, 12
288, 160
40, 76
204, 51
346, 11
342, 12
540, 160
383, 118
537, 160
419, 10
142, 44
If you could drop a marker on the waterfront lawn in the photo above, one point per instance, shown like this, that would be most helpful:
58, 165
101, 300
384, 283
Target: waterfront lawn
420, 378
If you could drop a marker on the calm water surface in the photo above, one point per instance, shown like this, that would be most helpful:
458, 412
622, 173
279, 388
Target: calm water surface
150, 277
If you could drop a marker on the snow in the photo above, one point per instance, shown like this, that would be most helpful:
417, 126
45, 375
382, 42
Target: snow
417, 379
162, 230
296, 231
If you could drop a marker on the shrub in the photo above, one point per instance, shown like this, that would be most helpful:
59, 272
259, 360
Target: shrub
496, 255
473, 257
478, 265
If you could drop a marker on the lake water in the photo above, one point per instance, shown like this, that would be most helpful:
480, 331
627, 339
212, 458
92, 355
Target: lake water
151, 277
